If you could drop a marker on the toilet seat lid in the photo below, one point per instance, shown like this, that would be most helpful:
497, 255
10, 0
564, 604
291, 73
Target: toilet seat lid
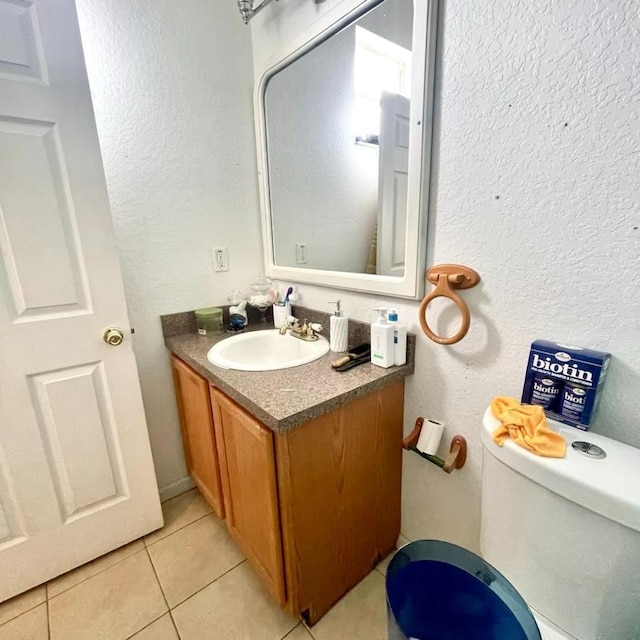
608, 487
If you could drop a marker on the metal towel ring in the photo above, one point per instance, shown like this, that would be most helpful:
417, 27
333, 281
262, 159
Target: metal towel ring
447, 278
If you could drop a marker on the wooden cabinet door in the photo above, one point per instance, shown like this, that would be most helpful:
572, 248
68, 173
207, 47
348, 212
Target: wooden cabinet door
198, 436
247, 461
340, 486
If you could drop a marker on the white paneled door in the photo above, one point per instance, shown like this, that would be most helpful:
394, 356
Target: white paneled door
76, 475
393, 174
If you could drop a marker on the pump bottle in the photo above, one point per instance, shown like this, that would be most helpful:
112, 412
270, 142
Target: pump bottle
382, 340
399, 339
338, 330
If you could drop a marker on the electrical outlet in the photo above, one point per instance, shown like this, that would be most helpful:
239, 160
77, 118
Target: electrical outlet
301, 253
220, 259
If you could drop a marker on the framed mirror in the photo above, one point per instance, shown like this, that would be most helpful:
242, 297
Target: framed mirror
344, 136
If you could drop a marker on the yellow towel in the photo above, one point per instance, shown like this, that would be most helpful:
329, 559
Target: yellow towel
527, 426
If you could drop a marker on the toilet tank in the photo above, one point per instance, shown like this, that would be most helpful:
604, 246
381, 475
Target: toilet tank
566, 532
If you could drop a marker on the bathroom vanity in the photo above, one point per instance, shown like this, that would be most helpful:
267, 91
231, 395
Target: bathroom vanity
303, 464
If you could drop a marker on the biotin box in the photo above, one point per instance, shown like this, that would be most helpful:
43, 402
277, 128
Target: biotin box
566, 380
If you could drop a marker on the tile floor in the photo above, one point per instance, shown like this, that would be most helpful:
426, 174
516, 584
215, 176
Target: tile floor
187, 581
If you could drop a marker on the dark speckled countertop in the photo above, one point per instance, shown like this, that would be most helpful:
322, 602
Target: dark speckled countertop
285, 398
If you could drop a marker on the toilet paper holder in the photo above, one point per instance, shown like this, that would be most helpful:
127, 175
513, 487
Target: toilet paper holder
457, 450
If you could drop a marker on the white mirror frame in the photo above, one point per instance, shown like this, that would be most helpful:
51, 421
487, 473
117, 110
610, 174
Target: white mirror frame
411, 285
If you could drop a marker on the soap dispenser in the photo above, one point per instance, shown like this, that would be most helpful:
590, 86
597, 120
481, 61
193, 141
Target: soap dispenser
237, 311
338, 330
399, 339
382, 353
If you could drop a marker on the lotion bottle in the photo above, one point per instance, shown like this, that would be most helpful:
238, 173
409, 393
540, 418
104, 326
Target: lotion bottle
338, 330
382, 340
399, 339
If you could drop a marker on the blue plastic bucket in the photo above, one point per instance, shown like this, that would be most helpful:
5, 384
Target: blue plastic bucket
439, 591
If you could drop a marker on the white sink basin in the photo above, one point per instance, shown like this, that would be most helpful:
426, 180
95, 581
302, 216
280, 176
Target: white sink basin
265, 351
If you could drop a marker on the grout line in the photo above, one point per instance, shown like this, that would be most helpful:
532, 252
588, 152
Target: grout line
23, 613
175, 626
308, 629
155, 573
133, 553
284, 637
26, 610
146, 625
150, 544
208, 584
145, 547
164, 597
46, 593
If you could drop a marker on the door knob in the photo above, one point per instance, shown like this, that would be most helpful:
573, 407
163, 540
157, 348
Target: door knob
113, 336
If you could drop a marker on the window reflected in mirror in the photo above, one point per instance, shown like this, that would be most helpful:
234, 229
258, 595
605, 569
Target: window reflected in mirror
380, 66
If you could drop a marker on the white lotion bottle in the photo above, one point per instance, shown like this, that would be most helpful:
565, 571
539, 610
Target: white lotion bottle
338, 330
399, 339
382, 340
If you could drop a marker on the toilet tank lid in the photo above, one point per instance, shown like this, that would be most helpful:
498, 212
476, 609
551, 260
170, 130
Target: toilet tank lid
609, 486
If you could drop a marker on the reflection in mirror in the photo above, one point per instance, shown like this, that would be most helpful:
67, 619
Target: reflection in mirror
337, 141
344, 124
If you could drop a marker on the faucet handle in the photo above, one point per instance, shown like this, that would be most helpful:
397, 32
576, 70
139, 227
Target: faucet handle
290, 323
312, 329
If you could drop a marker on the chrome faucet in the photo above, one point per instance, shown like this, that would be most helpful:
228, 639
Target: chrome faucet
307, 331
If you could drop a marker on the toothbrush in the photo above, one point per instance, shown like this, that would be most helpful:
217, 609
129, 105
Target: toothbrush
286, 298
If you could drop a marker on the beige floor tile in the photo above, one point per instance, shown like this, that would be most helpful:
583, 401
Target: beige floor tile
179, 512
299, 633
232, 608
161, 629
191, 558
112, 605
31, 625
23, 602
71, 578
382, 566
360, 615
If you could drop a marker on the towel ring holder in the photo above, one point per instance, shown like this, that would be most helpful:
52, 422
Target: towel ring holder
448, 278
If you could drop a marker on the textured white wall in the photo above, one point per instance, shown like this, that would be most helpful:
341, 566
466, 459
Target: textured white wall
172, 87
536, 186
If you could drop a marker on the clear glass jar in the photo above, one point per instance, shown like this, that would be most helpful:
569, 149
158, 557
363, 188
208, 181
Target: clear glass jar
261, 295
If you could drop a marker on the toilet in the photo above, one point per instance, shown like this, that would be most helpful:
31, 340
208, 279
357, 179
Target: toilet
560, 541
566, 532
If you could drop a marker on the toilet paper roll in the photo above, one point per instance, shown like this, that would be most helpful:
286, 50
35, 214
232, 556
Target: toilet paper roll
430, 437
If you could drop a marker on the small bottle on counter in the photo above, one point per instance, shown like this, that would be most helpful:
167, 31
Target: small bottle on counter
382, 353
399, 339
338, 330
